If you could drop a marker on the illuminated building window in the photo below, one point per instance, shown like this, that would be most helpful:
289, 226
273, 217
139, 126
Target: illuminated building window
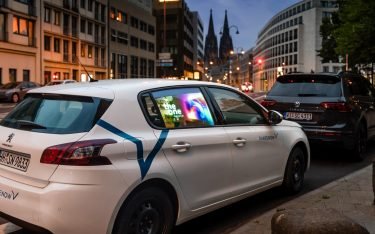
83, 50
20, 26
89, 51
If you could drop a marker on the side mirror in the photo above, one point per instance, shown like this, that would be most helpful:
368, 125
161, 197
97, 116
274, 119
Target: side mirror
274, 117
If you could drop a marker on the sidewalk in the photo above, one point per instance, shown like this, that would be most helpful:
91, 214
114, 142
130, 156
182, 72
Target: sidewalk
351, 195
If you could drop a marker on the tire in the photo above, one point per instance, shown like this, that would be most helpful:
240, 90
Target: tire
360, 144
294, 172
15, 98
148, 211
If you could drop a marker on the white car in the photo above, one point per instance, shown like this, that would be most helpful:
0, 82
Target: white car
57, 82
140, 156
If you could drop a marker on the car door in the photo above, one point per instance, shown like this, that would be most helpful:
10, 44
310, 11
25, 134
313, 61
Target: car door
195, 147
368, 103
258, 153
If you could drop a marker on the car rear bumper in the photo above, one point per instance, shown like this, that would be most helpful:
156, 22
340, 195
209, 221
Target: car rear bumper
58, 208
330, 136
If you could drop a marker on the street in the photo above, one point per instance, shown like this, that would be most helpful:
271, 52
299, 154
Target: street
327, 165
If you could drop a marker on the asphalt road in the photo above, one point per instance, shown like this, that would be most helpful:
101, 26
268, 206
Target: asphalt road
327, 165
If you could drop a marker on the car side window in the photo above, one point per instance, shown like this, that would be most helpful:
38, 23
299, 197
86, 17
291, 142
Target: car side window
183, 108
31, 85
151, 110
236, 109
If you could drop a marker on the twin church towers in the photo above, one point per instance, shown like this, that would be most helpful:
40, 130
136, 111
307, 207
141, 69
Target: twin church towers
213, 54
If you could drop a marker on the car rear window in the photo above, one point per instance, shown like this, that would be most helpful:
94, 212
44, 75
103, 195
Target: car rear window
307, 86
56, 114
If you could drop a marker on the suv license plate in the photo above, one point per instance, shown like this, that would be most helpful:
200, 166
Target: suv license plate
14, 160
298, 116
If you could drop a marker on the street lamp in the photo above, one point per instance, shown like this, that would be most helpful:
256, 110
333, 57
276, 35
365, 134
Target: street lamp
232, 26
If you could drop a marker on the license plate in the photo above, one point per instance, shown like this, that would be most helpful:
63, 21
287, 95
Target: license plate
14, 160
298, 116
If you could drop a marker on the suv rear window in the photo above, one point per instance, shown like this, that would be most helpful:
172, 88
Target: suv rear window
307, 86
56, 114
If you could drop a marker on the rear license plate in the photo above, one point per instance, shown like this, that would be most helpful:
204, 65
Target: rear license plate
14, 160
298, 116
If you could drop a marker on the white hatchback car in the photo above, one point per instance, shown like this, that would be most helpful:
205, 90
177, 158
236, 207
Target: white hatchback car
140, 156
57, 82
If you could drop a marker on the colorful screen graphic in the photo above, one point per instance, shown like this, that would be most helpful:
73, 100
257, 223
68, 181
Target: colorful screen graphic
184, 109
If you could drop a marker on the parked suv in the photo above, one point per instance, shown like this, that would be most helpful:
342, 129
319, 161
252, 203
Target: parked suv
335, 108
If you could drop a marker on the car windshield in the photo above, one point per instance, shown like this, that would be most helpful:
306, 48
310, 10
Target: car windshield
9, 85
56, 114
307, 86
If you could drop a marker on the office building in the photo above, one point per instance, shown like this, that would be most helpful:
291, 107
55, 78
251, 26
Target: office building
289, 43
132, 46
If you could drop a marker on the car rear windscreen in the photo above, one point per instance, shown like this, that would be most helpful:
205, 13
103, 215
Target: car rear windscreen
56, 114
307, 86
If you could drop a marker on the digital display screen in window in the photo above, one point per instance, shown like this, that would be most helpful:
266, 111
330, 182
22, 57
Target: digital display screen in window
184, 109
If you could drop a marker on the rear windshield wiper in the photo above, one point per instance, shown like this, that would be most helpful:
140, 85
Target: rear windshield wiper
29, 124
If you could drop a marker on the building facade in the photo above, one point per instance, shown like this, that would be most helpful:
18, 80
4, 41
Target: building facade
69, 39
19, 41
132, 36
198, 50
174, 36
289, 43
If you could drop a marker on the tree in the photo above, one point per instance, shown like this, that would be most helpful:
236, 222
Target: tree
350, 31
327, 52
356, 32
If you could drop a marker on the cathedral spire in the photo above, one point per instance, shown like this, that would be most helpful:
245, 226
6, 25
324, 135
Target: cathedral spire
210, 47
226, 44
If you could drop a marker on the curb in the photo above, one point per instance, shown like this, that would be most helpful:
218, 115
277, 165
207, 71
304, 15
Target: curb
262, 223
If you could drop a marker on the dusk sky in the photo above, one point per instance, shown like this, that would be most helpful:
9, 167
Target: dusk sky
248, 15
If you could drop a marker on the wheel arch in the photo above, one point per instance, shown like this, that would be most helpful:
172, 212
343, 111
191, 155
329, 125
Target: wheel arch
303, 146
162, 184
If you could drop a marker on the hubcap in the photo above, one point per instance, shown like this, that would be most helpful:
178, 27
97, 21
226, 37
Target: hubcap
297, 170
145, 219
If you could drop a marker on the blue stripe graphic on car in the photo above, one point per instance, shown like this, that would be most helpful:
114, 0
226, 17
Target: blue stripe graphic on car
144, 165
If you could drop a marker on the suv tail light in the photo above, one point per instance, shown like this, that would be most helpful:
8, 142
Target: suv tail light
268, 103
338, 106
81, 153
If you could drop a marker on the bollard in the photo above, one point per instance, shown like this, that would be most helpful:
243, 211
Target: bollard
314, 221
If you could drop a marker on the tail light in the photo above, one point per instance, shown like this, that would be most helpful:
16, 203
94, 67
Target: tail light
268, 103
81, 153
337, 106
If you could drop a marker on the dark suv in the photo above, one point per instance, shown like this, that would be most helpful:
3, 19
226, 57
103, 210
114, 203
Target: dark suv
336, 108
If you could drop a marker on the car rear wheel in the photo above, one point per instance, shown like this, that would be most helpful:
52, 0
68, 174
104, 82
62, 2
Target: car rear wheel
15, 98
148, 211
294, 172
360, 144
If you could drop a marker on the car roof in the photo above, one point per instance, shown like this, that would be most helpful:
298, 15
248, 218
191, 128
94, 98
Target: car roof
103, 88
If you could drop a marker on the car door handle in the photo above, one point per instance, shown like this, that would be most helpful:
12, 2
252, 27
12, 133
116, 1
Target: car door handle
181, 147
239, 142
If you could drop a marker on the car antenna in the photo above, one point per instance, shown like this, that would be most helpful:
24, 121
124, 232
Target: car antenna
88, 74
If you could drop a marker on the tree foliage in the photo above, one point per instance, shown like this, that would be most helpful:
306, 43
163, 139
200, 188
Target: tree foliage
327, 52
352, 32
